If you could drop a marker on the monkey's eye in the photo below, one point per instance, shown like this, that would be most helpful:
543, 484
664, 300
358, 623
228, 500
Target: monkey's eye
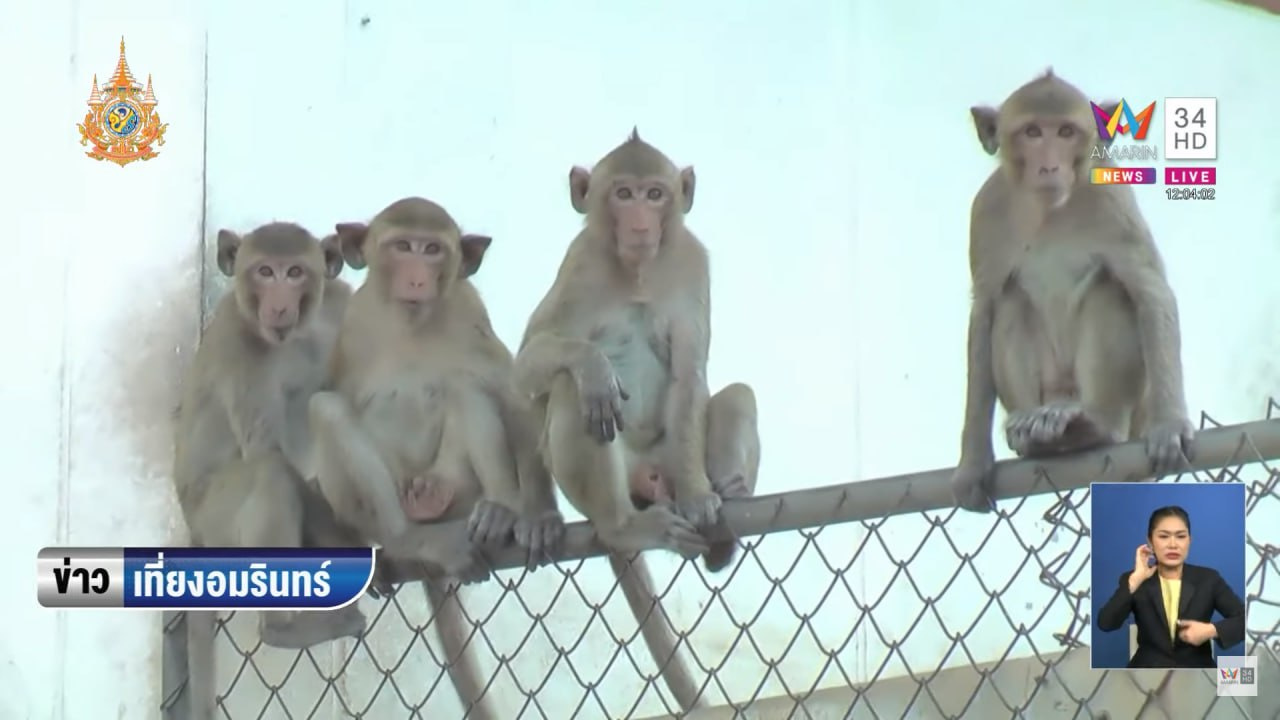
265, 271
623, 193
433, 248
655, 194
402, 245
1066, 131
1032, 131
294, 272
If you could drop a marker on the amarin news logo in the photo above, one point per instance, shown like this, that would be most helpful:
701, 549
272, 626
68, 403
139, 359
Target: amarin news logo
203, 578
1237, 675
1110, 128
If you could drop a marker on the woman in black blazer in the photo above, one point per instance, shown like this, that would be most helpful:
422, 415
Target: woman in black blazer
1161, 581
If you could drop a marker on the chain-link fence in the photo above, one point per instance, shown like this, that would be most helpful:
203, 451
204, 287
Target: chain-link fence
871, 599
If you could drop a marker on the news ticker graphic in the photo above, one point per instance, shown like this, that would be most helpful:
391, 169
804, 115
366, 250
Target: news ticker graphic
180, 578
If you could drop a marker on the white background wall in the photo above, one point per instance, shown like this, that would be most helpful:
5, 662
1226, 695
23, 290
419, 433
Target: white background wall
836, 163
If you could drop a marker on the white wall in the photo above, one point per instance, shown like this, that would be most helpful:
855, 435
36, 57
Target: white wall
836, 162
90, 366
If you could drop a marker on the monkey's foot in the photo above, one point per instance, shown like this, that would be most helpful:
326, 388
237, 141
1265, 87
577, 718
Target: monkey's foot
658, 524
720, 555
1053, 429
311, 627
734, 486
722, 552
468, 565
491, 523
541, 536
380, 586
1170, 446
701, 510
388, 571
427, 498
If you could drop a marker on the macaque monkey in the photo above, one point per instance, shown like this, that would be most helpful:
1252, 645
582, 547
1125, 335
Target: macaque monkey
242, 446
615, 357
423, 424
1073, 327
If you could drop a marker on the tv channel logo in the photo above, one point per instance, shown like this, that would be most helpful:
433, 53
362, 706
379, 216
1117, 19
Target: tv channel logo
1237, 676
1110, 127
1191, 128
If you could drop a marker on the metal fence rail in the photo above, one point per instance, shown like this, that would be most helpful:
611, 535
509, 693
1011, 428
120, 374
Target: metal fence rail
867, 599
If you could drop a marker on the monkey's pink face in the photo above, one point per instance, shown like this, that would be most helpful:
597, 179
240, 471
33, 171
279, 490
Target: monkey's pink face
1049, 153
415, 265
281, 289
638, 209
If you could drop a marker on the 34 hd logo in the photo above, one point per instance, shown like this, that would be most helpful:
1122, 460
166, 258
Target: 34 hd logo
1191, 133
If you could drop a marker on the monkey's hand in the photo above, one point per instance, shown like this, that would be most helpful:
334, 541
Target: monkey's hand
1170, 445
972, 484
541, 535
601, 396
733, 486
490, 523
668, 530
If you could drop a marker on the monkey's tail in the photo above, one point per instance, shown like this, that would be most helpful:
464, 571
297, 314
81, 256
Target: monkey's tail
637, 586
450, 624
200, 663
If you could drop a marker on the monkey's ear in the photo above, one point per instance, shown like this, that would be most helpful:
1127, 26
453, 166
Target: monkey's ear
687, 183
1109, 108
473, 249
351, 242
986, 122
332, 248
579, 181
228, 244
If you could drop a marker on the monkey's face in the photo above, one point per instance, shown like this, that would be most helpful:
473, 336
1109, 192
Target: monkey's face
415, 265
281, 292
638, 208
1048, 156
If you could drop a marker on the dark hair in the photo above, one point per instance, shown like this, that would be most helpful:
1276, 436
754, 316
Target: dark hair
1164, 512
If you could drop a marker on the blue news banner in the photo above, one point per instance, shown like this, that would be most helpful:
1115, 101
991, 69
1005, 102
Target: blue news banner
179, 578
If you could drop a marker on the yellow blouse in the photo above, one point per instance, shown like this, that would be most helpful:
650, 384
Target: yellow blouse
1170, 589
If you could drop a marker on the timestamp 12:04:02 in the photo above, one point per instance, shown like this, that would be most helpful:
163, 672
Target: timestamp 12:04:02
1190, 193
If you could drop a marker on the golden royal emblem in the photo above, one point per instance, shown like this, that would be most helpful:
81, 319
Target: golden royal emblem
122, 122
